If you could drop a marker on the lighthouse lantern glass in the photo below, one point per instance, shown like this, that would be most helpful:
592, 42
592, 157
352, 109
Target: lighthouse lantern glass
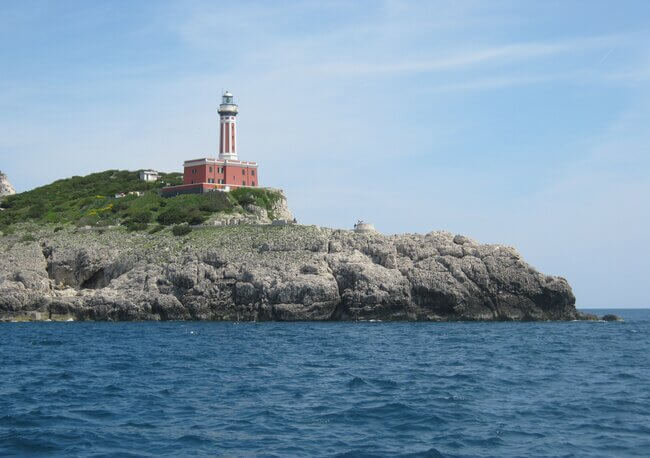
227, 99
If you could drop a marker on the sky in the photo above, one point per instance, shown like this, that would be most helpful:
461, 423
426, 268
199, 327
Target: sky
520, 123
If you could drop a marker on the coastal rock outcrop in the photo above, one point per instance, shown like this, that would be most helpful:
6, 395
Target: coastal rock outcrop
266, 272
6, 189
611, 317
280, 207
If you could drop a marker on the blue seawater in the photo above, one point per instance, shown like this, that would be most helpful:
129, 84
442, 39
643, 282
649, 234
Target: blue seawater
326, 389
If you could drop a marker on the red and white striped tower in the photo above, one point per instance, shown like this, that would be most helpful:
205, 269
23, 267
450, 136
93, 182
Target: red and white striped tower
228, 132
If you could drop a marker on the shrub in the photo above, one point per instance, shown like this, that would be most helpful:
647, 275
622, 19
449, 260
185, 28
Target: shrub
156, 228
58, 228
246, 199
28, 238
36, 211
52, 217
140, 216
261, 197
120, 206
85, 202
196, 220
172, 216
181, 229
8, 230
7, 202
135, 226
215, 202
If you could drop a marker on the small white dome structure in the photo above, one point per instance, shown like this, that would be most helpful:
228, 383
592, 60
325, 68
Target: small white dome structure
363, 227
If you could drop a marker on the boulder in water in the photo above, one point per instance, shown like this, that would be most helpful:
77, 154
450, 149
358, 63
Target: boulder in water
611, 317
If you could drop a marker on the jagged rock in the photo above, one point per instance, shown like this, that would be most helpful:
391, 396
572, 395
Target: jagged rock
259, 213
280, 207
268, 272
6, 189
611, 317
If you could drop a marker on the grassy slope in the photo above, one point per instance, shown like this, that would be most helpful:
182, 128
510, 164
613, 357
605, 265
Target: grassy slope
90, 201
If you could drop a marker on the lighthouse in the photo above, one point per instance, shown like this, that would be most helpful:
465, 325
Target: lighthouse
224, 172
227, 127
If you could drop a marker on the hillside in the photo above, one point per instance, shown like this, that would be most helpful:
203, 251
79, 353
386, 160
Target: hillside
91, 201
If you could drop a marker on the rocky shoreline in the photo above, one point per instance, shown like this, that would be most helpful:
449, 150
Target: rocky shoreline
271, 272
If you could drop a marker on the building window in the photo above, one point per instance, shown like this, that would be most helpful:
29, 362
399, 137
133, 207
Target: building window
253, 172
220, 181
220, 169
243, 182
243, 172
210, 169
252, 183
210, 180
194, 171
192, 181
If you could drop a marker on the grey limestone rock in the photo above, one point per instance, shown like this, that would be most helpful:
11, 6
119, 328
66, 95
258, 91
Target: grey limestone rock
280, 208
611, 317
6, 189
270, 272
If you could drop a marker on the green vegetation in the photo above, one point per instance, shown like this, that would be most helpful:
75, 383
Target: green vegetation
92, 201
264, 198
181, 229
28, 238
155, 229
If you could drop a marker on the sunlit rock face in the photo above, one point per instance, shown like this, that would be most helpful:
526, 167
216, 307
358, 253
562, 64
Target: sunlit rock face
267, 272
6, 189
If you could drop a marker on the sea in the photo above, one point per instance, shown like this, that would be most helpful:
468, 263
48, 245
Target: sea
360, 389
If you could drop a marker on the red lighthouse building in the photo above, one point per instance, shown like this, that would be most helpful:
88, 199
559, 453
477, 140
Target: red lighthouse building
224, 172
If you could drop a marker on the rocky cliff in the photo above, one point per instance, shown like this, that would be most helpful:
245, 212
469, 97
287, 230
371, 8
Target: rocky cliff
267, 272
6, 189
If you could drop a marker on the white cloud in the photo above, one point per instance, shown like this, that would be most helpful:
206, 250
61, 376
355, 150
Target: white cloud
467, 58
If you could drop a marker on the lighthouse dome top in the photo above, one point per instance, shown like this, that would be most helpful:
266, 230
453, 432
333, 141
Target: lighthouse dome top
227, 106
227, 98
